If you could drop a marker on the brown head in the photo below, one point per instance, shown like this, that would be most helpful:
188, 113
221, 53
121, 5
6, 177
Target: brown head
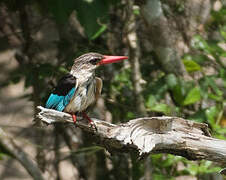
87, 63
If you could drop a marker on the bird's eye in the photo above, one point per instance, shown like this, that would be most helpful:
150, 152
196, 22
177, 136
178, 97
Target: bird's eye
94, 61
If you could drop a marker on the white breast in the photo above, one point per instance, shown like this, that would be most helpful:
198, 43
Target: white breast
82, 99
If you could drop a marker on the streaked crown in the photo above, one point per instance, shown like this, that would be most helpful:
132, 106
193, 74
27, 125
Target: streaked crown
87, 61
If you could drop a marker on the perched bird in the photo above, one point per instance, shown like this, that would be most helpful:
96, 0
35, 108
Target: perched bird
79, 89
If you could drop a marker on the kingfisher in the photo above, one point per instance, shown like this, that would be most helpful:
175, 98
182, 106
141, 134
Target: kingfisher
79, 89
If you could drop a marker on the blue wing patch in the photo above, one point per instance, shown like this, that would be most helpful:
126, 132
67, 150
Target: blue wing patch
59, 102
62, 94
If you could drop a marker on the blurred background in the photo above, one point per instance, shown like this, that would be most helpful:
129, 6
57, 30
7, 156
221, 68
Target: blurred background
176, 67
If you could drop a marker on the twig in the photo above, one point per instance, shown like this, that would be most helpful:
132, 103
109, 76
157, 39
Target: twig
151, 135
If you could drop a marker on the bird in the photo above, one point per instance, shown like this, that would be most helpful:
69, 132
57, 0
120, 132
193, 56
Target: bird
80, 88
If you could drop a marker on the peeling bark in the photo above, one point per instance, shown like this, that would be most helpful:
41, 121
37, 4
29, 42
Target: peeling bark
147, 135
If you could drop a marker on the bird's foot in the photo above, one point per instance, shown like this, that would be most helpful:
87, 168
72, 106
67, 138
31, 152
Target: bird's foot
74, 117
91, 123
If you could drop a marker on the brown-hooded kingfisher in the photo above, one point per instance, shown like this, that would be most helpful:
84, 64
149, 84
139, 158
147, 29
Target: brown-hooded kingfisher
79, 89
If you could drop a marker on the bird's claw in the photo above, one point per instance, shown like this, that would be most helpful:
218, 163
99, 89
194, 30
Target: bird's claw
92, 125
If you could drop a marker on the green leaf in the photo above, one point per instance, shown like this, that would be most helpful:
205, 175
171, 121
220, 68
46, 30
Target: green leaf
215, 97
213, 85
160, 177
211, 114
180, 90
130, 115
215, 49
157, 88
223, 75
193, 96
92, 15
223, 54
63, 70
191, 65
163, 108
219, 16
213, 170
169, 161
199, 116
151, 101
193, 169
200, 59
179, 93
99, 32
171, 80
199, 43
136, 11
223, 33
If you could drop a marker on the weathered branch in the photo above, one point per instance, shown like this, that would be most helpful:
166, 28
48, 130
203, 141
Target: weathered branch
151, 135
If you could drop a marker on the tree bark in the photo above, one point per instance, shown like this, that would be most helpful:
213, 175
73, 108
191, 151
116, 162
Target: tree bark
170, 30
162, 37
135, 55
147, 135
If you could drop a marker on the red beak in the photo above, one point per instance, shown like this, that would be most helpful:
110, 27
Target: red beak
112, 59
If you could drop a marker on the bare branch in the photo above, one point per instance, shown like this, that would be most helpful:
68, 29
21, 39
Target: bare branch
9, 145
151, 135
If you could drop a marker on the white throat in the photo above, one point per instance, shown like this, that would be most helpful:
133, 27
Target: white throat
82, 76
